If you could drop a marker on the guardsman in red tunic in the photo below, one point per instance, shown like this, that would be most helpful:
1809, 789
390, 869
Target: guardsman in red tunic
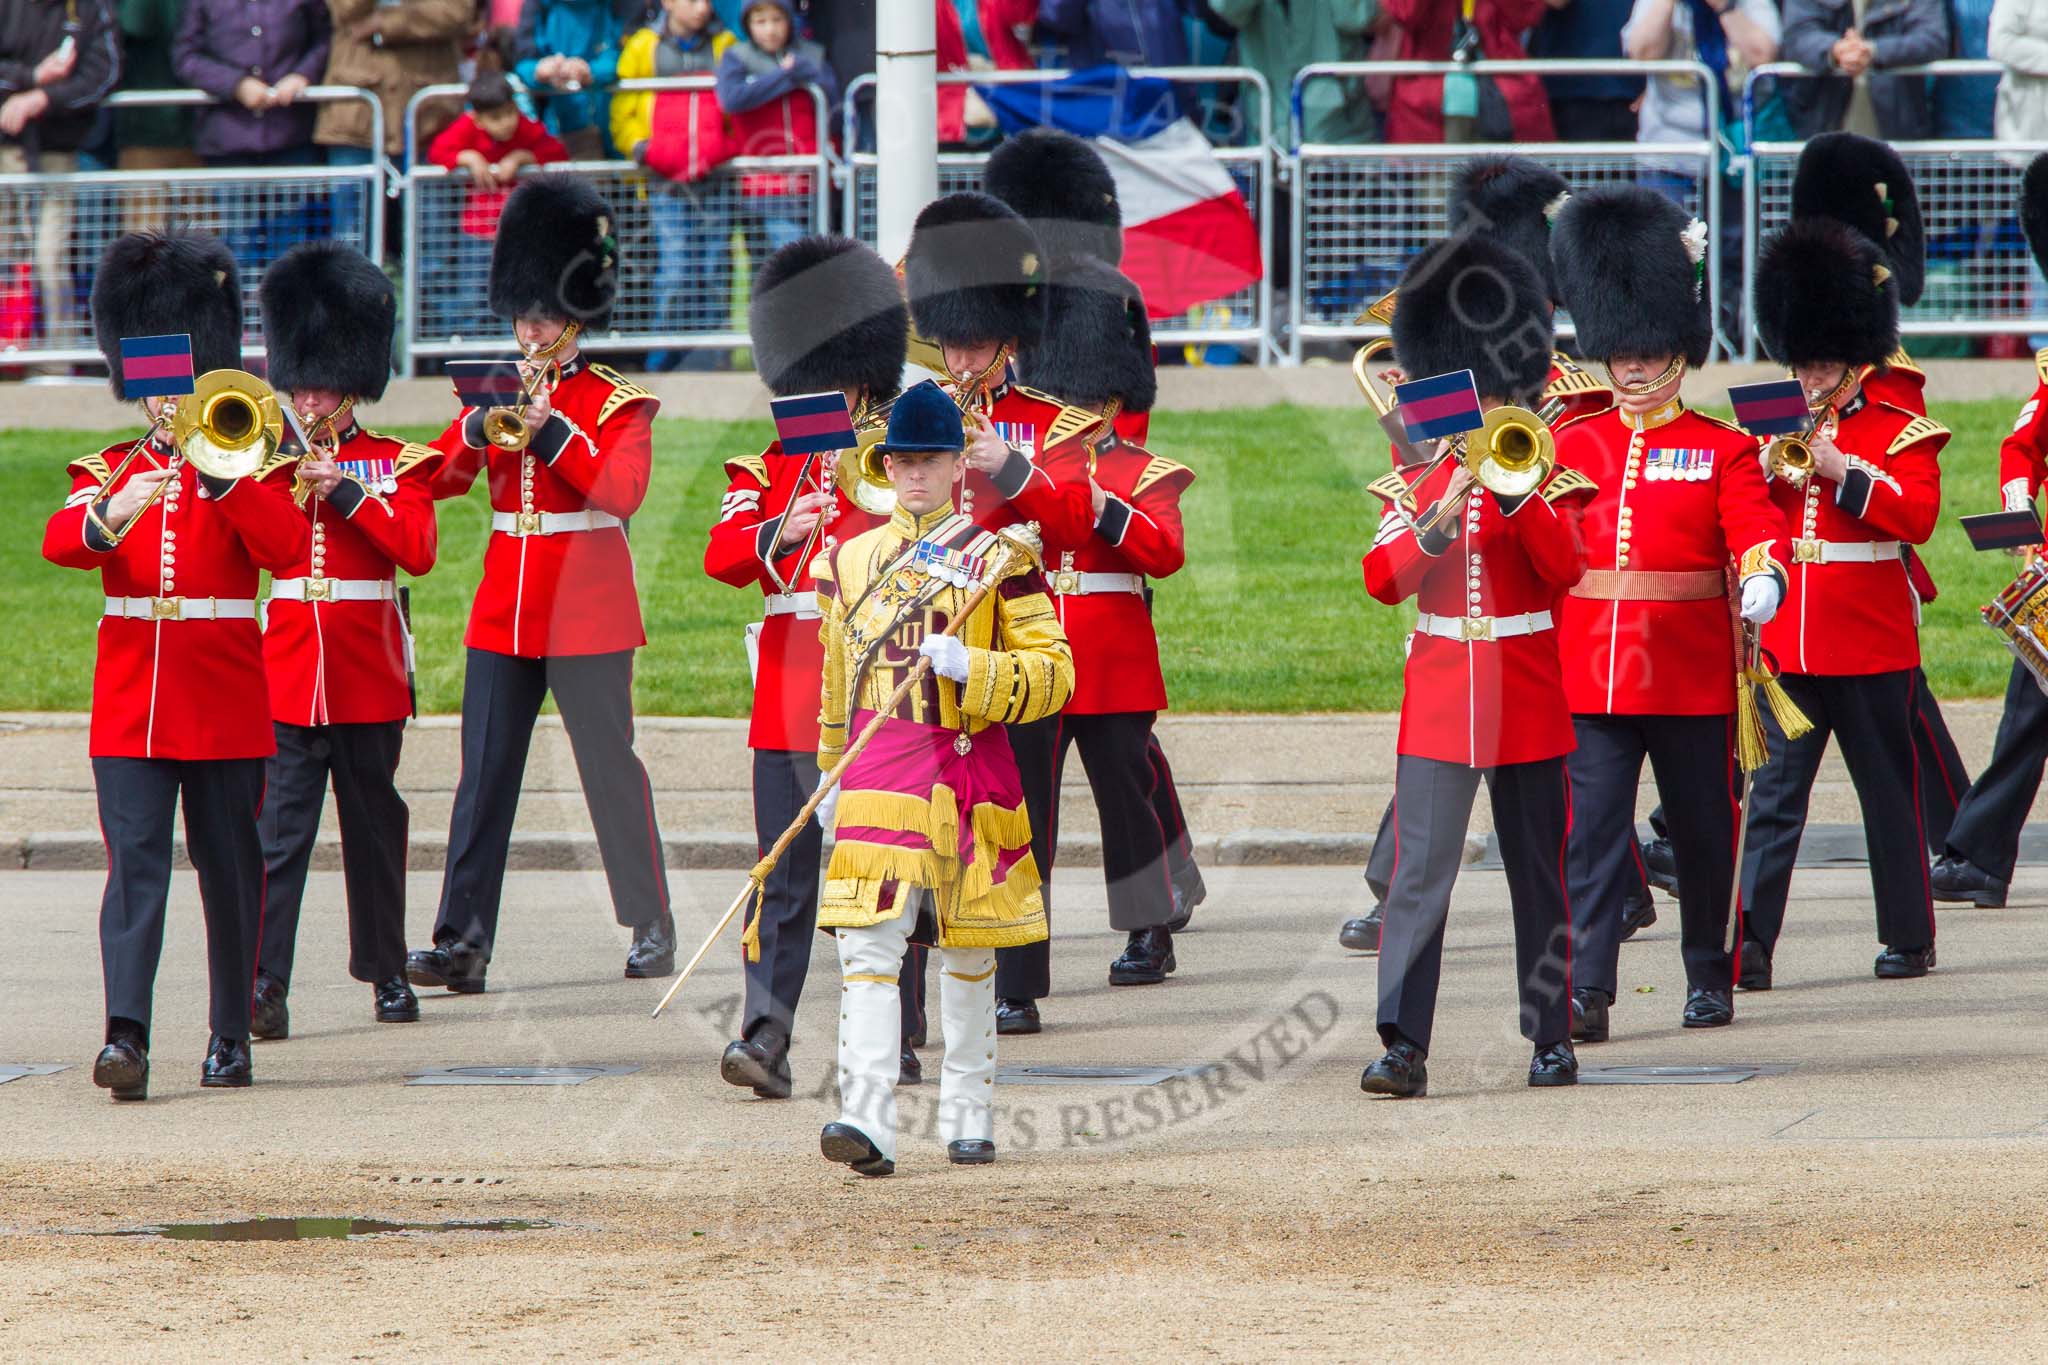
1484, 692
558, 610
335, 640
180, 706
827, 314
1983, 844
1847, 640
975, 276
1063, 189
1647, 637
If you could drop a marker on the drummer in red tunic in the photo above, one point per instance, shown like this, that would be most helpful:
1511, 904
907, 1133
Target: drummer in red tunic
1484, 696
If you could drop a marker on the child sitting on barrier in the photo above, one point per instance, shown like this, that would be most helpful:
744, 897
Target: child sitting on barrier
761, 87
493, 141
679, 136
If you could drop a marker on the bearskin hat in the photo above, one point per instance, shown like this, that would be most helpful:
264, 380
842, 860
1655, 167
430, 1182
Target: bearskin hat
828, 313
154, 285
1630, 268
1468, 303
1058, 184
975, 273
556, 254
1862, 182
1512, 200
1098, 341
328, 317
2034, 208
1825, 292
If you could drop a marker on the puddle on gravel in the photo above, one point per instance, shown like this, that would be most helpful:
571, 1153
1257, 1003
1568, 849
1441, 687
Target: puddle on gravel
314, 1229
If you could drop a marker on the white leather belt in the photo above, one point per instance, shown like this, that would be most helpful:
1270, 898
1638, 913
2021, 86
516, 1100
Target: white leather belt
804, 608
1067, 583
1481, 627
182, 608
333, 590
1844, 551
551, 523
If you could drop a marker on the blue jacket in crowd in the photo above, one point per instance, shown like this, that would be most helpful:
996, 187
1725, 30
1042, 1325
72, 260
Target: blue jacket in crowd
590, 29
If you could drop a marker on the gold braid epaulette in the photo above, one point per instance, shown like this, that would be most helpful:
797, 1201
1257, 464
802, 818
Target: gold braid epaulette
624, 391
1160, 468
2041, 364
751, 464
1899, 360
95, 465
1572, 379
1391, 488
1565, 482
282, 459
1915, 431
411, 456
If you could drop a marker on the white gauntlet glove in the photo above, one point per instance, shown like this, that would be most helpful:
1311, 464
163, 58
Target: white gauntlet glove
828, 810
2017, 499
1762, 595
948, 656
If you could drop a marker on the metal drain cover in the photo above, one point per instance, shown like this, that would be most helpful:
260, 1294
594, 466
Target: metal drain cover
1087, 1075
515, 1075
1728, 1074
14, 1071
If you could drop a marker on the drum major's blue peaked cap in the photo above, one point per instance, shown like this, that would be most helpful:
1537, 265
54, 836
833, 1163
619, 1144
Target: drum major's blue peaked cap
924, 419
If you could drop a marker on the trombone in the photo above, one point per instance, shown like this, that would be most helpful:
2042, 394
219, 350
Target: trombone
1509, 456
226, 428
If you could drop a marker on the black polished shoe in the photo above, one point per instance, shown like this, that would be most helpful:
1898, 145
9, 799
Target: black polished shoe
1636, 916
1959, 879
454, 965
1755, 973
1660, 866
849, 1146
1147, 958
654, 950
1363, 935
1554, 1065
268, 1015
1589, 1016
392, 1001
227, 1064
910, 1071
1707, 1008
1400, 1073
970, 1151
123, 1068
1189, 891
1897, 964
1016, 1016
759, 1062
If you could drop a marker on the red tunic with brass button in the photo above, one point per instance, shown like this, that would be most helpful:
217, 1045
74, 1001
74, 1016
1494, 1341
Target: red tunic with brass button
1046, 479
180, 689
1577, 388
1842, 618
1116, 653
344, 662
571, 592
1903, 384
2023, 456
1684, 494
742, 553
1482, 702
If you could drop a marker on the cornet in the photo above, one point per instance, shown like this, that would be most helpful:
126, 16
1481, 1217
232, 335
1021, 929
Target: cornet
323, 443
506, 428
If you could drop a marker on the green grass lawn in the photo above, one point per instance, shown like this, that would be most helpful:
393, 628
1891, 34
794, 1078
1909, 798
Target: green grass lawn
1269, 615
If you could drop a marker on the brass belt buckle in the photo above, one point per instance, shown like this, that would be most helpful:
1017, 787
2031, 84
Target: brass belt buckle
528, 523
166, 608
317, 589
1066, 583
1472, 628
1806, 551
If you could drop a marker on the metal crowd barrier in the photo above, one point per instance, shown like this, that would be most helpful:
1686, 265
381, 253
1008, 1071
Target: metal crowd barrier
59, 224
686, 251
1362, 210
1242, 319
1980, 275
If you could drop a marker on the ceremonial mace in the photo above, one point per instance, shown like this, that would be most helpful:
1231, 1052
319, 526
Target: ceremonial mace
1017, 552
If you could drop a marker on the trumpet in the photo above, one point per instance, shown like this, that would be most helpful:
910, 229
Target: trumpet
506, 428
226, 428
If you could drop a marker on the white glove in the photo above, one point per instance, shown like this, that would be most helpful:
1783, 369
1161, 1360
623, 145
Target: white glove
828, 810
948, 656
1761, 596
2017, 499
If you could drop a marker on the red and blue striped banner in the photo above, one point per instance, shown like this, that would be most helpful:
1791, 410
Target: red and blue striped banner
812, 423
156, 367
1776, 407
486, 383
1441, 405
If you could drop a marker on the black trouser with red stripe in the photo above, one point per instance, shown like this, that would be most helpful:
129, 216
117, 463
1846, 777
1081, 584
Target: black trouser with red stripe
1180, 844
1872, 715
1943, 778
363, 761
501, 698
1025, 973
1693, 761
138, 800
788, 910
1432, 810
1988, 822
